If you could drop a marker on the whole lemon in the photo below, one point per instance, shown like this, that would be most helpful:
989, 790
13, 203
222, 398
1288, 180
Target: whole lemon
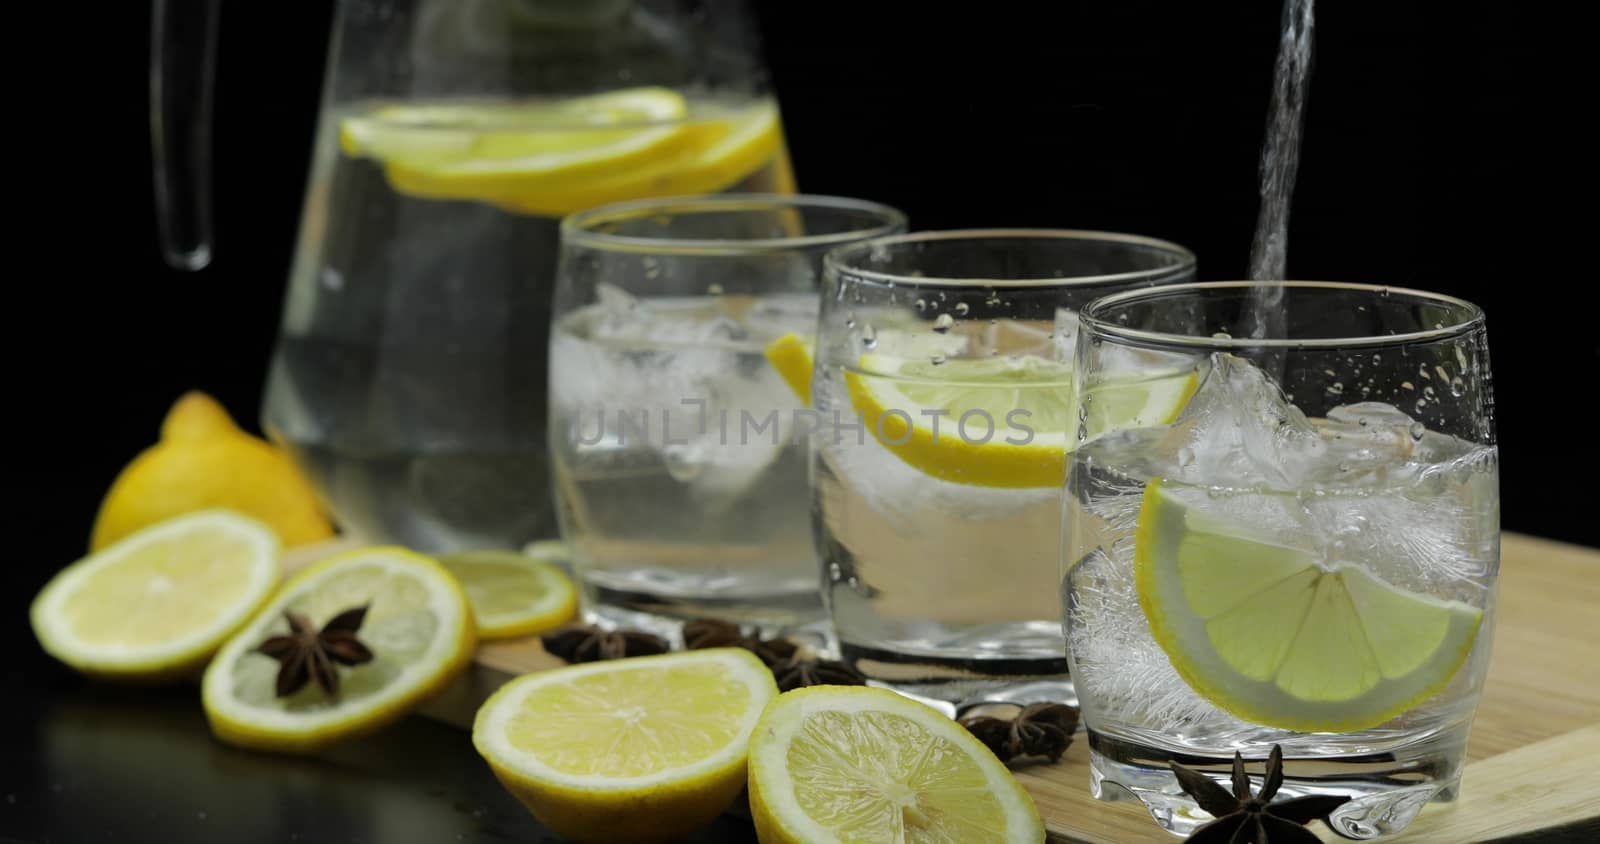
204, 460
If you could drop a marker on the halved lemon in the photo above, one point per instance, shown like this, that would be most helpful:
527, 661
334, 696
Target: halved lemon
1005, 421
157, 603
418, 626
853, 764
636, 750
512, 594
1274, 635
557, 156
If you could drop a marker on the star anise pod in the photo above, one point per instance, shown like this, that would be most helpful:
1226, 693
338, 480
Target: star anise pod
592, 644
1245, 819
798, 672
715, 633
1040, 729
309, 655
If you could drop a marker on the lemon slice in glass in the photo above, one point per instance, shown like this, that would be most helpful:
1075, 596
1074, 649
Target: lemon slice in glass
838, 764
635, 750
1272, 635
417, 625
998, 422
512, 594
157, 603
791, 355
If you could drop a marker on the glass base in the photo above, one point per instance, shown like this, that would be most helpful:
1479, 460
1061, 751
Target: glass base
796, 616
953, 685
1388, 789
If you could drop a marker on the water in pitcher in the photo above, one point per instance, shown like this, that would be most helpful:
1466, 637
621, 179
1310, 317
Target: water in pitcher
410, 379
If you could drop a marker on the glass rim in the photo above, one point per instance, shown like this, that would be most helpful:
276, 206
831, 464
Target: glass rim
1091, 317
835, 261
577, 227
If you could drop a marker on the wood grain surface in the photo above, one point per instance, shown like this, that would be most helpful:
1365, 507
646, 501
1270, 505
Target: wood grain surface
1532, 754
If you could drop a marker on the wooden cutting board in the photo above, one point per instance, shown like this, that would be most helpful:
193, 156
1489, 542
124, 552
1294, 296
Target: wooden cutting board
1534, 754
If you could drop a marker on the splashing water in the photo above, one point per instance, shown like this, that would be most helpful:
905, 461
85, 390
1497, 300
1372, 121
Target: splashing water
1280, 159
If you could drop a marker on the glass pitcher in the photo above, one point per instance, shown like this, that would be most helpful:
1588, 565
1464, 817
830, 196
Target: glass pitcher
409, 378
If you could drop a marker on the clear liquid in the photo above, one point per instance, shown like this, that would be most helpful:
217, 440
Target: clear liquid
947, 591
1432, 529
410, 376
682, 485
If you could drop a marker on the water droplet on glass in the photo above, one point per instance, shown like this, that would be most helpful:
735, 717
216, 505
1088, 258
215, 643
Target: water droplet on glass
961, 309
652, 268
1362, 421
1417, 429
993, 300
1336, 388
1428, 392
1457, 386
715, 289
937, 359
1185, 456
1377, 359
682, 461
869, 336
1343, 466
1422, 404
943, 323
921, 305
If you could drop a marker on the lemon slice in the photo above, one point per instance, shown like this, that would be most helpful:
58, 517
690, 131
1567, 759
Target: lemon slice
512, 594
838, 764
1273, 635
418, 626
158, 603
635, 750
712, 155
554, 157
791, 355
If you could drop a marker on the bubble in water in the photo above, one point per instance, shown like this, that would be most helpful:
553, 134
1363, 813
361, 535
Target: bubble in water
943, 323
1457, 386
1423, 371
652, 267
1422, 404
1417, 429
993, 300
1407, 385
1336, 388
715, 289
921, 305
869, 336
683, 462
937, 359
961, 309
1186, 456
1427, 392
200, 814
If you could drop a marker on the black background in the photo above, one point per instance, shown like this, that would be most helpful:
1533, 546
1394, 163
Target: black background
1441, 151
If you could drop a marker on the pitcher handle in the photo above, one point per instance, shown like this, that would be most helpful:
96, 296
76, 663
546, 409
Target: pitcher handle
183, 35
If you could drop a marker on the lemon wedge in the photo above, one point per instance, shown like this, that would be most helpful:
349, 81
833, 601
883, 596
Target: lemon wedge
637, 750
157, 604
553, 157
418, 626
1273, 635
833, 764
512, 594
791, 355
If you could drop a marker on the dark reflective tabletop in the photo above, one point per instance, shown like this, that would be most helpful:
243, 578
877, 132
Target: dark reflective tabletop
86, 762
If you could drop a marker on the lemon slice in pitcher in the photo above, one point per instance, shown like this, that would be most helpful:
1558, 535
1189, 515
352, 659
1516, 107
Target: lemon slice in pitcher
553, 157
1272, 635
